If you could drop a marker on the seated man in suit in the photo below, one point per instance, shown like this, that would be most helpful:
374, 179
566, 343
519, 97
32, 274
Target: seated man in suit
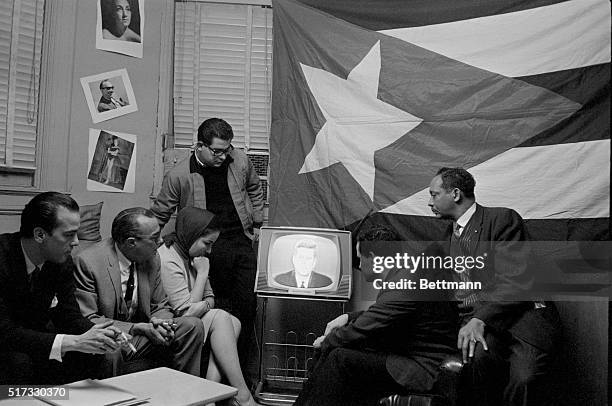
395, 346
119, 279
45, 339
508, 338
302, 275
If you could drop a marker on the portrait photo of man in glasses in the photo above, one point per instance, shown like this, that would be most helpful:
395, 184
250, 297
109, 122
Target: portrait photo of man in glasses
108, 101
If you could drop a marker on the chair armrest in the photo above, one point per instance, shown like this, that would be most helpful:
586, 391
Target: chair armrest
444, 393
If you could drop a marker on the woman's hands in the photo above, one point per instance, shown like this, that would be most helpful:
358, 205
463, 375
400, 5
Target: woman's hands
201, 265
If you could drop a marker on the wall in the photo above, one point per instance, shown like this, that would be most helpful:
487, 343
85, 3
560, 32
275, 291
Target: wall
144, 76
70, 53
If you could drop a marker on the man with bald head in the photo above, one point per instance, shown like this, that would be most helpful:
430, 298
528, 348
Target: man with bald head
119, 279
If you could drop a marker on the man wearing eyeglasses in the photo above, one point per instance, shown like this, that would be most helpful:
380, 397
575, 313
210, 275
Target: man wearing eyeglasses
221, 179
107, 101
119, 279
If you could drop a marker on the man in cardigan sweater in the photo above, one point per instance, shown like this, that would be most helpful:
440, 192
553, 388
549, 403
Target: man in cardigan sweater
222, 179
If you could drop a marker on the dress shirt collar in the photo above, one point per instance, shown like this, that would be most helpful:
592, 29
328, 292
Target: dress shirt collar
30, 266
299, 279
465, 217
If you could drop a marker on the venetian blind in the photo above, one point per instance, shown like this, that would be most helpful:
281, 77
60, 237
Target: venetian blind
222, 68
21, 28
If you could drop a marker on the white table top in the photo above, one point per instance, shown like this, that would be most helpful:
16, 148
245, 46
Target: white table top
165, 387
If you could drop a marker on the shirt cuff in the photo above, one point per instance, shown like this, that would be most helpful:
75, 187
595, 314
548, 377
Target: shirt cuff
56, 349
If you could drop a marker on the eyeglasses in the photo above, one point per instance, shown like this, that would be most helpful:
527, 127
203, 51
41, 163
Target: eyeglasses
219, 152
152, 238
108, 87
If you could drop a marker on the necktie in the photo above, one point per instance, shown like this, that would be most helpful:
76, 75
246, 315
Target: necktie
302, 285
457, 230
130, 285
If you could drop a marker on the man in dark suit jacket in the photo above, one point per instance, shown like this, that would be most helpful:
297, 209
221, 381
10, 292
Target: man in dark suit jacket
502, 330
119, 279
304, 260
395, 346
45, 339
315, 280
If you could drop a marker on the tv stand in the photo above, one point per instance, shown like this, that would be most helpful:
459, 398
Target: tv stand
285, 344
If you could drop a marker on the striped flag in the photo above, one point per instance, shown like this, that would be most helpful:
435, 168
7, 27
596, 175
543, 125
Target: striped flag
371, 98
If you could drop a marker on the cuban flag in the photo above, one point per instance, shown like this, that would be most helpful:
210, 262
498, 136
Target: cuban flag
371, 98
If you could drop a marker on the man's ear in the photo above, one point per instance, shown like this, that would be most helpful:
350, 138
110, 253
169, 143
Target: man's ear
39, 234
456, 195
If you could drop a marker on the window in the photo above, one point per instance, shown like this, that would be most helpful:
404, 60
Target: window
21, 31
222, 68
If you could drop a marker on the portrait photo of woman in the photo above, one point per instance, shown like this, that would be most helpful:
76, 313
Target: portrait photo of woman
120, 20
120, 26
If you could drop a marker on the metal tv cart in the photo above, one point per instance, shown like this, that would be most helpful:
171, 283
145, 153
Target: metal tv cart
285, 344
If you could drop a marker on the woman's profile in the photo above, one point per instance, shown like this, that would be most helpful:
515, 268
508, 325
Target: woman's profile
184, 271
116, 20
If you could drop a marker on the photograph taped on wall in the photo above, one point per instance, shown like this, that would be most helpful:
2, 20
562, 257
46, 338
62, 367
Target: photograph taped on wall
112, 165
109, 95
120, 26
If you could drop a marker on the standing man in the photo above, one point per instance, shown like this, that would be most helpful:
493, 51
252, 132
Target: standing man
119, 279
107, 101
506, 338
45, 339
221, 179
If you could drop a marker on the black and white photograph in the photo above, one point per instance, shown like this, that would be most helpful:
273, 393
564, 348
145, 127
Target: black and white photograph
339, 202
109, 95
111, 163
120, 26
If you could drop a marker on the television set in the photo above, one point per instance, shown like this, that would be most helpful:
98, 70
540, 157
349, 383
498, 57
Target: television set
301, 262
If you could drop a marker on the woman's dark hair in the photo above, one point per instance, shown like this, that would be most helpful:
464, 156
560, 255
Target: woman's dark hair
41, 211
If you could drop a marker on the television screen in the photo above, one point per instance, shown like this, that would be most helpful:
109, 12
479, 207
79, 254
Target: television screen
304, 262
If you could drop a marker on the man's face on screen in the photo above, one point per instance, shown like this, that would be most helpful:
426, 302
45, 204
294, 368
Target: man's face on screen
304, 261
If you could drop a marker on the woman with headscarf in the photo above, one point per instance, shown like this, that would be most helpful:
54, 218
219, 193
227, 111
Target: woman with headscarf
184, 271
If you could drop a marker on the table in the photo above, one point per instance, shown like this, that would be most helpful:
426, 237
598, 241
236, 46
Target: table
165, 387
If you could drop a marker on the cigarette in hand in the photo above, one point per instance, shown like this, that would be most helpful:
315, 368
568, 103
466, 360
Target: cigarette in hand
129, 343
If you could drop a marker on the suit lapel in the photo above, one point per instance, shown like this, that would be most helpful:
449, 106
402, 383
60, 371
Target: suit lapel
474, 229
18, 262
114, 273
